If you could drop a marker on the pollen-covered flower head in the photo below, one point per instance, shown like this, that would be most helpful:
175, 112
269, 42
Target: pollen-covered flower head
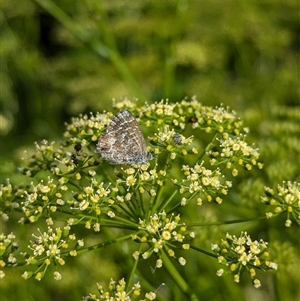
50, 248
233, 151
199, 180
163, 232
286, 199
118, 290
243, 254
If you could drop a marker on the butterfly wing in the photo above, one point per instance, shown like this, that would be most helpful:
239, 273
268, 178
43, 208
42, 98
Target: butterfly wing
123, 142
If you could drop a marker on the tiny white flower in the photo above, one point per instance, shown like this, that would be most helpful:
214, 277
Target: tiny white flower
181, 260
220, 272
57, 275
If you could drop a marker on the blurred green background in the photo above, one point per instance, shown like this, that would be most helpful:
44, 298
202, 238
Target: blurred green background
62, 58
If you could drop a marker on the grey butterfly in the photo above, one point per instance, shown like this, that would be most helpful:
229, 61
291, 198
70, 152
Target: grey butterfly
123, 142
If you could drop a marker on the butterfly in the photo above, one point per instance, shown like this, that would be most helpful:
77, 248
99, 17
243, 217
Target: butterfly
123, 142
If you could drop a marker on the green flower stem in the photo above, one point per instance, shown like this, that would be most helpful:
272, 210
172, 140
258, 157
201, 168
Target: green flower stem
155, 201
169, 200
203, 251
106, 176
160, 190
177, 277
103, 244
97, 46
117, 221
123, 224
179, 203
207, 148
151, 207
136, 205
131, 211
82, 250
141, 203
133, 271
70, 182
235, 221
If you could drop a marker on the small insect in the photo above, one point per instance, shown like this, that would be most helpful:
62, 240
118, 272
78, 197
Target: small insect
74, 159
193, 119
177, 138
77, 147
123, 142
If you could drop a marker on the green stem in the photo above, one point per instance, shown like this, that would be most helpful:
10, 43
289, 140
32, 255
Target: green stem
177, 277
117, 221
166, 203
82, 250
179, 203
203, 251
235, 221
103, 244
153, 205
206, 149
130, 280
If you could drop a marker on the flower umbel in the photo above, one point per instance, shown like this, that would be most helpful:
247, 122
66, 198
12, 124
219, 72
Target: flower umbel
117, 291
8, 248
233, 152
243, 254
50, 247
197, 149
202, 181
285, 199
161, 231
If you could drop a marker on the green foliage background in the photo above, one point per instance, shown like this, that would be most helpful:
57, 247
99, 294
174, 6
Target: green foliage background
62, 58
